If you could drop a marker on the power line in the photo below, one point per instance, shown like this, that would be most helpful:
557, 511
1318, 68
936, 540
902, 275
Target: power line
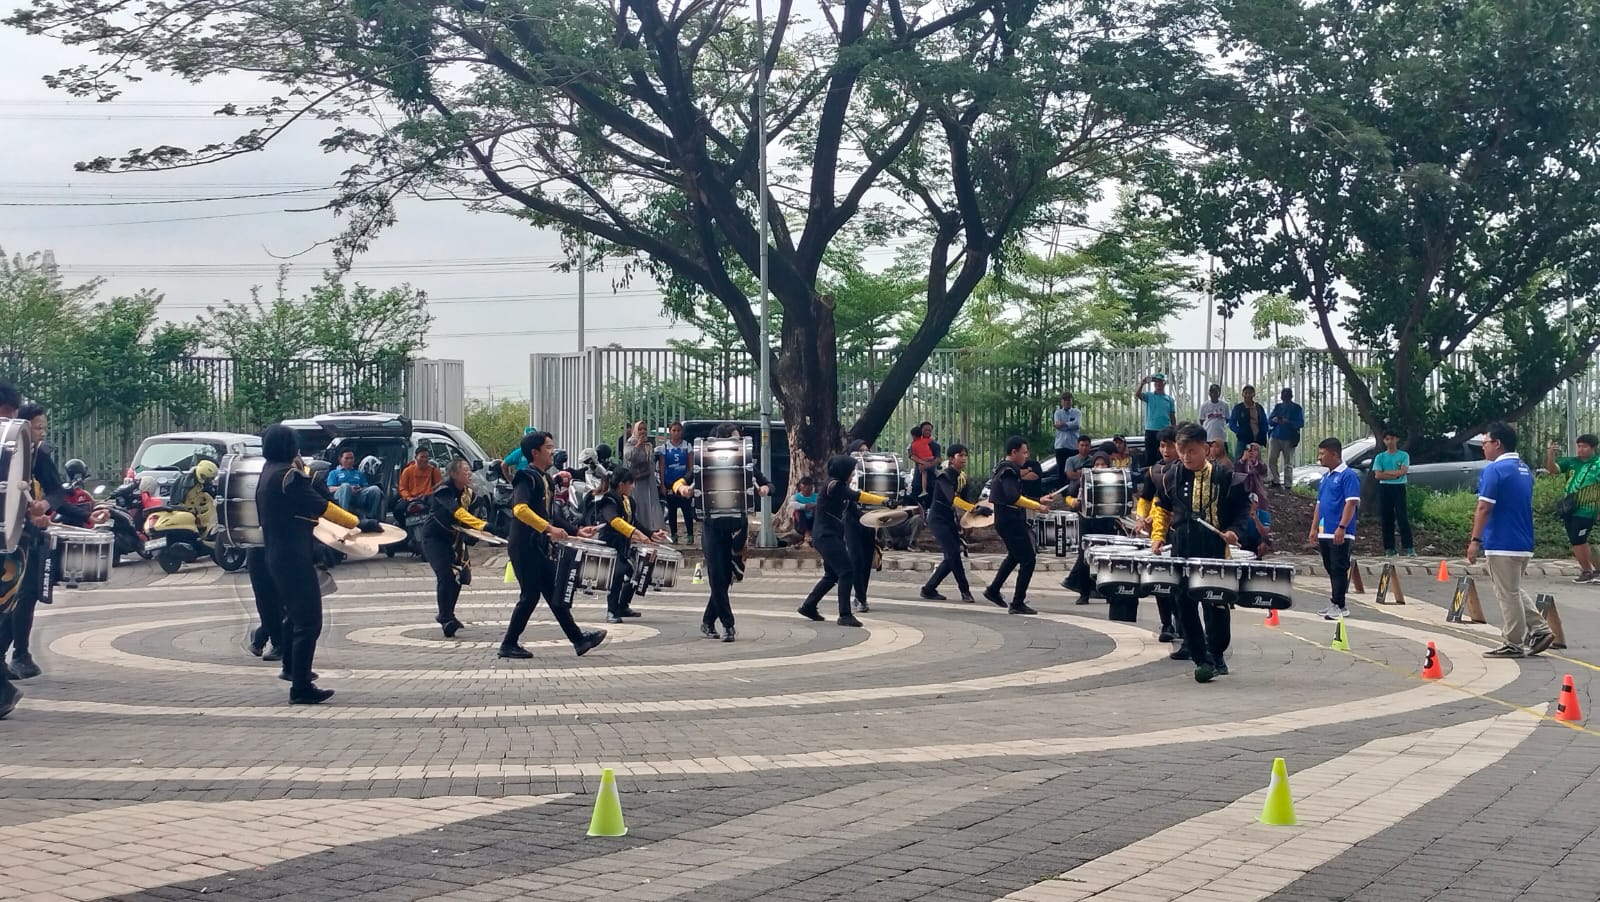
629, 294
185, 200
523, 332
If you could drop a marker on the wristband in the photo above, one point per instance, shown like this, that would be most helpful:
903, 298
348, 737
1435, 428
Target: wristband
1475, 541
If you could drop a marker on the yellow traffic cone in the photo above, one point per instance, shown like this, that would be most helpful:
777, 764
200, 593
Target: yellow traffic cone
1278, 811
607, 819
1341, 639
511, 575
699, 574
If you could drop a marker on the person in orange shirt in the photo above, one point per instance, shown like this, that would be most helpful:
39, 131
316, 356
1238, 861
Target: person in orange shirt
419, 478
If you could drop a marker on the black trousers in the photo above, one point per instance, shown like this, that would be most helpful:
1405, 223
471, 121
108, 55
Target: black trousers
440, 553
720, 537
944, 532
16, 632
1021, 557
620, 595
1152, 447
1336, 559
1062, 454
838, 569
536, 577
863, 554
1207, 628
676, 503
294, 584
269, 607
1392, 508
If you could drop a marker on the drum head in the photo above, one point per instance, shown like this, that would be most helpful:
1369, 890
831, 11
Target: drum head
16, 469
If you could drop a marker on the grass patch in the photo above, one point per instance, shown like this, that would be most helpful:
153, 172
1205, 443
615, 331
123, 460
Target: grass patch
1448, 516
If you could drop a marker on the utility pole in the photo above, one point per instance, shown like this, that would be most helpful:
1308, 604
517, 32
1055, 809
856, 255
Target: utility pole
767, 540
1572, 388
583, 264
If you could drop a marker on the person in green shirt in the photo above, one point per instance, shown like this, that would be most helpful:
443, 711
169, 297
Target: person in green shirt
1390, 468
1585, 484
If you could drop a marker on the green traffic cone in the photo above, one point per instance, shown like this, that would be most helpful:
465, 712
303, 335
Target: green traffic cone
607, 819
1341, 639
1279, 808
511, 575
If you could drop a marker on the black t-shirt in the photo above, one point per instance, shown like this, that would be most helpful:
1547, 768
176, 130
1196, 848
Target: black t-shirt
533, 489
288, 506
612, 507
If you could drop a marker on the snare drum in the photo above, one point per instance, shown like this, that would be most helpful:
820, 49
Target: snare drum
665, 573
237, 478
1107, 493
583, 563
1214, 580
16, 477
725, 476
1267, 585
82, 555
878, 473
642, 558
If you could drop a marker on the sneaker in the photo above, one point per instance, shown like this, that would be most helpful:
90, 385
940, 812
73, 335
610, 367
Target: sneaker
273, 653
1504, 651
613, 618
1334, 612
309, 696
23, 666
811, 613
727, 634
1220, 667
1411, 552
848, 620
992, 596
1587, 576
1182, 654
9, 696
931, 595
1540, 642
1083, 599
1166, 634
514, 651
590, 641
630, 612
862, 608
967, 597
1391, 554
1020, 607
707, 631
1203, 673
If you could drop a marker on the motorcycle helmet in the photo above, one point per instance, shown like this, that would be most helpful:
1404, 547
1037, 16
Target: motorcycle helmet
371, 466
149, 484
560, 458
76, 470
205, 471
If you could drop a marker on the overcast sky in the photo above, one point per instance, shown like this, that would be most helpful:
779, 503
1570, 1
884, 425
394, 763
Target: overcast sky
495, 297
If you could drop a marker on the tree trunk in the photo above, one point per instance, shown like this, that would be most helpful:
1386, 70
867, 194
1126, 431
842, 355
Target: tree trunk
806, 385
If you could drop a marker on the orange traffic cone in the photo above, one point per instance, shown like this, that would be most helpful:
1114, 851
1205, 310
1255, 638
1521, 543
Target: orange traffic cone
1272, 618
1444, 572
1430, 668
1567, 706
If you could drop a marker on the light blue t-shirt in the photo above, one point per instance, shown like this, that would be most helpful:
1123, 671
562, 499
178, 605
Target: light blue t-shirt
1395, 461
340, 476
1337, 487
1069, 424
1159, 409
1507, 484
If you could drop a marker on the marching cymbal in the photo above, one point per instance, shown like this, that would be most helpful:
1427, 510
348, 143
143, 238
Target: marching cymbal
483, 536
354, 542
974, 520
884, 517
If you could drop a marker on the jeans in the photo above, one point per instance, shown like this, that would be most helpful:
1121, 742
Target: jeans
1275, 447
1392, 507
1519, 619
1336, 559
365, 502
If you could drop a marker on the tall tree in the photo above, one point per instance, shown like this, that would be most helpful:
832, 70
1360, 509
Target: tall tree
1420, 175
1270, 314
632, 120
37, 310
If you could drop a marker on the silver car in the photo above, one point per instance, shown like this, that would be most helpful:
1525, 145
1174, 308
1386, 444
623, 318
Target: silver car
1443, 466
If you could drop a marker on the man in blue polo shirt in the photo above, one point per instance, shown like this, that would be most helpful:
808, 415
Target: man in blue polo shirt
1502, 528
1160, 411
1333, 522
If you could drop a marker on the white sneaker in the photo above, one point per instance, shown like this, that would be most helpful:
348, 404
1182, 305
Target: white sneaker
1334, 612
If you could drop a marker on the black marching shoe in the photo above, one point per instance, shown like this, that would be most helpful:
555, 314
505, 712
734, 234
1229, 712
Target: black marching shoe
848, 620
1182, 654
23, 667
1020, 607
1083, 599
1220, 666
727, 634
273, 653
309, 696
967, 597
811, 613
931, 595
451, 627
630, 612
284, 675
992, 595
514, 651
1166, 634
9, 696
254, 649
590, 641
707, 631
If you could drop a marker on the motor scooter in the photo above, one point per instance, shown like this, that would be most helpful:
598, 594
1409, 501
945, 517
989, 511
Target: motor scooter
125, 512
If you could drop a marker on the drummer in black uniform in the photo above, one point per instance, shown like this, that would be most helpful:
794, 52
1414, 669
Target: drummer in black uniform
618, 527
719, 539
444, 545
1011, 508
945, 501
1187, 494
838, 512
864, 547
22, 572
1171, 625
534, 526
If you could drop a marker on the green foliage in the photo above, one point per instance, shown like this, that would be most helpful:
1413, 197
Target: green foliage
497, 427
1409, 173
1448, 517
1271, 314
37, 310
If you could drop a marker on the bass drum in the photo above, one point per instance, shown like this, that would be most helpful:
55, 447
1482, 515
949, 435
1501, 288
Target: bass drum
878, 473
237, 479
16, 477
724, 476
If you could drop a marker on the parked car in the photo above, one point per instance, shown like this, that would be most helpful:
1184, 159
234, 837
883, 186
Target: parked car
1443, 465
172, 453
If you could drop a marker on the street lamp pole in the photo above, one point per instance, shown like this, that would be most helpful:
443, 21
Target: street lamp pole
767, 540
583, 264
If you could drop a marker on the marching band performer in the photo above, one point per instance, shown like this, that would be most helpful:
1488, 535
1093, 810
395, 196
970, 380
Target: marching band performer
1171, 625
535, 525
619, 525
863, 542
945, 501
838, 511
16, 631
445, 546
1193, 493
22, 571
720, 537
1011, 522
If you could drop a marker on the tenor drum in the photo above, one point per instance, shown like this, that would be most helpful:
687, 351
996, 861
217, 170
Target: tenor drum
16, 475
878, 473
1107, 493
1160, 575
237, 478
668, 562
82, 555
725, 476
643, 560
583, 563
1056, 531
1265, 585
1214, 580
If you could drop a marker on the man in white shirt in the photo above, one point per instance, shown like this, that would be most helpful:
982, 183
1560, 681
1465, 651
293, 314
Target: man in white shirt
1214, 417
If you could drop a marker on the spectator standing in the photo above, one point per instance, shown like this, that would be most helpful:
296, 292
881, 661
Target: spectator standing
674, 464
1287, 419
1502, 528
1069, 424
639, 454
1248, 421
1214, 416
924, 459
1333, 522
1160, 411
1581, 506
1390, 468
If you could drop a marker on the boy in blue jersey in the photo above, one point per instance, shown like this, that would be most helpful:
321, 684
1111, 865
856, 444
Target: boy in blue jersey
1333, 522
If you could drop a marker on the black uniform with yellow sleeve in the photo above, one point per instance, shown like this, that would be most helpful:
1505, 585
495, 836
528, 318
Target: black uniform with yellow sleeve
529, 549
617, 526
944, 502
1011, 508
446, 548
1183, 498
838, 513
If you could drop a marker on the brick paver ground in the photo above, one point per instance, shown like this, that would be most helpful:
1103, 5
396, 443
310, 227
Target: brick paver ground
946, 751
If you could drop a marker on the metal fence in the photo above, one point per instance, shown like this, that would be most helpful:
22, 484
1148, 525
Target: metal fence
222, 394
588, 397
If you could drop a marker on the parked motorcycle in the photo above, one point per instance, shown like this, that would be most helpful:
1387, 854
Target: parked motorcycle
184, 529
125, 509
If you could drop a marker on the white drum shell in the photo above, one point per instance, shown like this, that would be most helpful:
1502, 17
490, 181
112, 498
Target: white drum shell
725, 476
16, 474
668, 562
237, 479
84, 555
